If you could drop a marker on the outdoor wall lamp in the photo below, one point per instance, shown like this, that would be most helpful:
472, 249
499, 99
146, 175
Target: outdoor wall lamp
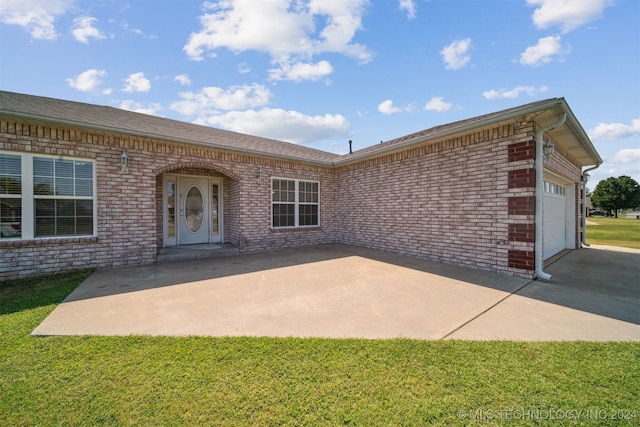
585, 177
260, 173
124, 163
548, 149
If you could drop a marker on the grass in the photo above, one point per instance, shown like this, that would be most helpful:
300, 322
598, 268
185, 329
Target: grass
138, 380
623, 232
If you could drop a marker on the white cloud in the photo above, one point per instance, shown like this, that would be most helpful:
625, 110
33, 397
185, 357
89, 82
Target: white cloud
87, 81
438, 104
613, 131
300, 71
630, 156
409, 7
35, 16
280, 124
624, 162
136, 82
284, 29
137, 31
130, 105
83, 29
515, 92
544, 51
456, 54
212, 100
567, 14
183, 79
387, 108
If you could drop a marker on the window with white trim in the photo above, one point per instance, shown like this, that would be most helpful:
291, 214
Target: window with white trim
46, 196
294, 203
10, 196
553, 188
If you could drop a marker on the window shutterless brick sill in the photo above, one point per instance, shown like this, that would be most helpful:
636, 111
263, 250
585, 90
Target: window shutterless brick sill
46, 242
294, 229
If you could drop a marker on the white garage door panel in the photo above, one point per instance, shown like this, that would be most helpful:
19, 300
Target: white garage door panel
554, 224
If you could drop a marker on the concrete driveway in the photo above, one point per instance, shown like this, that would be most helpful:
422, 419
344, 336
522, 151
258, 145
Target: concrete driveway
343, 292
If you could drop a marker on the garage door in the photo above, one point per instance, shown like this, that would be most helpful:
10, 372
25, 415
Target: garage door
554, 219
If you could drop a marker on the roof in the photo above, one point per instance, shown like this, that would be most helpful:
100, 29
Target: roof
110, 119
570, 135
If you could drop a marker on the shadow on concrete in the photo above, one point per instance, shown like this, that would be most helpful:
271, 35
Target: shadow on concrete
598, 281
115, 281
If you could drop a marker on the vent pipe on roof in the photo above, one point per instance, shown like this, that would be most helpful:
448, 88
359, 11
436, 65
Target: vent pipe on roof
539, 260
350, 149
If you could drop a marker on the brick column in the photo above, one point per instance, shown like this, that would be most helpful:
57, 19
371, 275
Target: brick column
522, 207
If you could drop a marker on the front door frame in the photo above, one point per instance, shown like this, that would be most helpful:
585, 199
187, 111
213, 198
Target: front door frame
171, 208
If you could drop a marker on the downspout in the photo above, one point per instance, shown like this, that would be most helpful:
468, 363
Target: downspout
539, 262
585, 177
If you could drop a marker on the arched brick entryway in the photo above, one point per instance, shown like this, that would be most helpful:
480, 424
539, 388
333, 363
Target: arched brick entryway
222, 216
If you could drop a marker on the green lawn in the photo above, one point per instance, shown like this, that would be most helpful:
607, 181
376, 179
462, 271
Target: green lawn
263, 381
613, 232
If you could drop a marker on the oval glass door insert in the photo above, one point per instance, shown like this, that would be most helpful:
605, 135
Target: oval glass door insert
194, 209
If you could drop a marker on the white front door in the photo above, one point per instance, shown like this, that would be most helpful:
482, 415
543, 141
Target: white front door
194, 211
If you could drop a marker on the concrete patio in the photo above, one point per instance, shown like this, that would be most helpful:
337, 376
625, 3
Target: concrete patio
349, 292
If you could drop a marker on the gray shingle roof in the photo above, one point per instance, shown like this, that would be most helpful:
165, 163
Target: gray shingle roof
121, 121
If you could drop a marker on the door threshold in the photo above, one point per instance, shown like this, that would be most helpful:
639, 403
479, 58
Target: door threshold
201, 250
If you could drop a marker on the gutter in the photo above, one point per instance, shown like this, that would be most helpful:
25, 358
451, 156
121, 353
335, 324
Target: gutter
539, 262
585, 178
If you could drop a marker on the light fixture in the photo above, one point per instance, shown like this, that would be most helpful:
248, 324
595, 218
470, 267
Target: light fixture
124, 163
585, 177
548, 148
260, 173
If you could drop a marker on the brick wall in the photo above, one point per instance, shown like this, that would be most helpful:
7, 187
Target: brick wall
129, 211
447, 201
467, 200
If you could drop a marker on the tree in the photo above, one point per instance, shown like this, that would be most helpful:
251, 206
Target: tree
616, 193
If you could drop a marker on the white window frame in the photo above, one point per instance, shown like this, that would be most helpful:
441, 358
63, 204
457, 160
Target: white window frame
28, 197
553, 188
297, 203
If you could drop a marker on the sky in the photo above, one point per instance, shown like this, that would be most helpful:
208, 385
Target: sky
323, 72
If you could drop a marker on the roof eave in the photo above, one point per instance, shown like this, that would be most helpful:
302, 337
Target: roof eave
576, 130
114, 129
512, 115
581, 136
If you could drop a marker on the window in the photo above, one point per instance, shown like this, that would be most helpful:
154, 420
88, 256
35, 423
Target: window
63, 193
294, 203
550, 187
45, 196
215, 220
10, 195
171, 208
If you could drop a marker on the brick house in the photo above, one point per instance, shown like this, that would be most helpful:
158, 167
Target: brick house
90, 186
